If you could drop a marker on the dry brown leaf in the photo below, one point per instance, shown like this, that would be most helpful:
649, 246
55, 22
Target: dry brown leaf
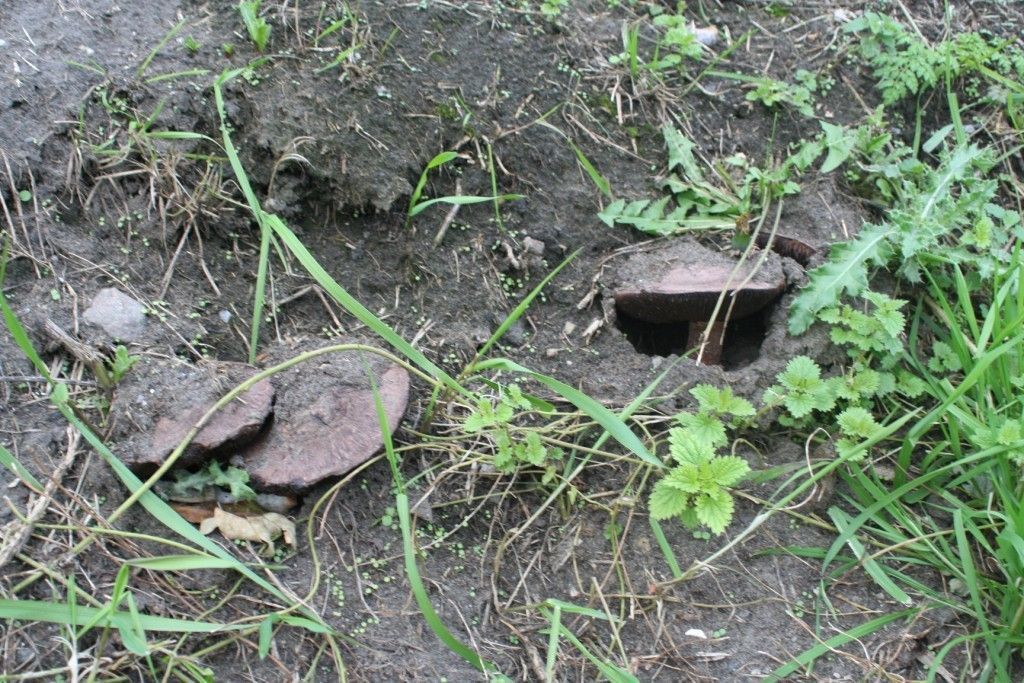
263, 528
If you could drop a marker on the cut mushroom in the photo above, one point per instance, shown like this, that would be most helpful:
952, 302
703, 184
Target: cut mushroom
690, 292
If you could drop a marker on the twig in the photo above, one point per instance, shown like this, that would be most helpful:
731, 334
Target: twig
452, 212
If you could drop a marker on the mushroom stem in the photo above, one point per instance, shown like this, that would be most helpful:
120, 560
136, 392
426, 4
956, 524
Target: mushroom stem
712, 354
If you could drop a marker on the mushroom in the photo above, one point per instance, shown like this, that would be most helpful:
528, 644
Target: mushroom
690, 292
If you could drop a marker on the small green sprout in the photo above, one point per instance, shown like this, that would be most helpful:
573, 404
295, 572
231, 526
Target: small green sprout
257, 26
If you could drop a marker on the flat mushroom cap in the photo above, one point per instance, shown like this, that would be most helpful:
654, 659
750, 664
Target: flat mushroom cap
688, 292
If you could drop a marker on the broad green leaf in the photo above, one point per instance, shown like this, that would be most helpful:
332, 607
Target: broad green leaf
686, 447
705, 428
666, 502
727, 470
714, 510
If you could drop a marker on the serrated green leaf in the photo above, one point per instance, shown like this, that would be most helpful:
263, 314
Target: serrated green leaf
721, 400
685, 477
801, 373
714, 510
666, 502
726, 470
857, 421
705, 428
846, 272
680, 153
799, 405
686, 447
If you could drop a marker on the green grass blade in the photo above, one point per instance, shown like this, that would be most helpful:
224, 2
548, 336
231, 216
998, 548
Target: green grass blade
61, 613
461, 200
8, 460
139, 72
822, 648
409, 551
554, 633
181, 563
600, 182
347, 301
519, 310
666, 549
254, 207
873, 568
610, 671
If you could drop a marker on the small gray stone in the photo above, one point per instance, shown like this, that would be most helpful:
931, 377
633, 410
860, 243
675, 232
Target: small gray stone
118, 314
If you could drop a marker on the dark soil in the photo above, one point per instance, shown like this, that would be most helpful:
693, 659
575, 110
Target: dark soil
336, 151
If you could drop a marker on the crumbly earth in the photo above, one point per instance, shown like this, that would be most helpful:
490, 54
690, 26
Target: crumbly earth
336, 149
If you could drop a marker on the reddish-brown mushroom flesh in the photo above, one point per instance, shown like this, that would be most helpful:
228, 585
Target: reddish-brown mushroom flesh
690, 294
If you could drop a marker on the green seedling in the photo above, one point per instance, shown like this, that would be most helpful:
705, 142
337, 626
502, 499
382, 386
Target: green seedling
697, 489
799, 95
257, 26
905, 65
514, 448
192, 45
417, 204
121, 363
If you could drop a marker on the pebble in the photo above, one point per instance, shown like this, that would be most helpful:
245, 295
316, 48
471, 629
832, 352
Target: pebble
118, 314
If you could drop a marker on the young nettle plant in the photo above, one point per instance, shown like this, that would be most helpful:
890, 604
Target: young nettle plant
233, 479
515, 447
696, 489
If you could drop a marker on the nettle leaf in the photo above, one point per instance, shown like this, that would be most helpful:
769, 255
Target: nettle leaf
666, 502
910, 385
801, 373
944, 358
685, 478
799, 404
504, 453
686, 447
704, 427
533, 450
722, 401
727, 470
481, 418
887, 312
1009, 433
846, 272
857, 385
714, 509
857, 421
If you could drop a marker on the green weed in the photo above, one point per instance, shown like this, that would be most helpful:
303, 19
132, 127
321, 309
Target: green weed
417, 204
255, 25
904, 65
724, 199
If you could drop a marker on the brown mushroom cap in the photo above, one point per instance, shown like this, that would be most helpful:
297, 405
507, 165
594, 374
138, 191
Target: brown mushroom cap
689, 290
